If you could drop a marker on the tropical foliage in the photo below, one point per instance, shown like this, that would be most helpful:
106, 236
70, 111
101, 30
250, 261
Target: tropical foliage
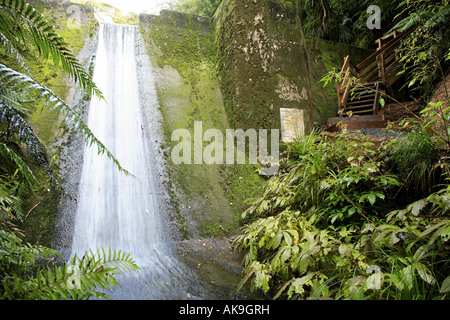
29, 272
346, 21
324, 228
425, 52
34, 272
348, 219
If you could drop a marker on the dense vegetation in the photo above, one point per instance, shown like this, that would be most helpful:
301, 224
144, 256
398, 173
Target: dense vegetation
350, 219
325, 226
345, 218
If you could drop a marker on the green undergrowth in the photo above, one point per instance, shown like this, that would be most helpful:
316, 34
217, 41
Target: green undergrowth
41, 205
334, 225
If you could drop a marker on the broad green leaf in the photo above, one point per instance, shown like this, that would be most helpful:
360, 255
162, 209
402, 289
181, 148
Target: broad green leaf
287, 238
372, 198
418, 206
351, 211
304, 263
425, 273
345, 250
445, 287
407, 276
375, 281
297, 285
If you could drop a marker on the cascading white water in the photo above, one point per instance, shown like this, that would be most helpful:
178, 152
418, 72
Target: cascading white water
115, 210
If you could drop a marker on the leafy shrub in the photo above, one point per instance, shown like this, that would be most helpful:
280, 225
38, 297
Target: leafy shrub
336, 179
322, 230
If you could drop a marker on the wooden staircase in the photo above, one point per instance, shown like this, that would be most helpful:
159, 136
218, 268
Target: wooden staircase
363, 100
362, 85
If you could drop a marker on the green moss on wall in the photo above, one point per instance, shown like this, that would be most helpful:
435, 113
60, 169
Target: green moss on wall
183, 52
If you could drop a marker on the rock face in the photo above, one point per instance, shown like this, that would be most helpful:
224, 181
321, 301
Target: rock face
261, 66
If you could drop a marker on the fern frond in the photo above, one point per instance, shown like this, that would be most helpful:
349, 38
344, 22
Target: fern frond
439, 17
429, 16
14, 52
16, 99
117, 258
25, 173
19, 206
20, 22
18, 127
79, 280
18, 81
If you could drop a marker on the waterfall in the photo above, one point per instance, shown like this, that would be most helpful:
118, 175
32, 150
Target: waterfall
115, 210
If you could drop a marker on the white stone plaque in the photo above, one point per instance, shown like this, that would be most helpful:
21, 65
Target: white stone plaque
292, 124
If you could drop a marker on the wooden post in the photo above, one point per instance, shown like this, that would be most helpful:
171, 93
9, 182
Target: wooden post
379, 44
376, 103
341, 87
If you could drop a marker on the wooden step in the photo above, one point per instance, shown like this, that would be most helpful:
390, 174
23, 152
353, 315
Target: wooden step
362, 93
366, 86
361, 97
371, 85
365, 106
357, 122
358, 112
357, 101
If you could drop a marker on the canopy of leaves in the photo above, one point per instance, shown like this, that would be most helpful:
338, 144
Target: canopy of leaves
205, 8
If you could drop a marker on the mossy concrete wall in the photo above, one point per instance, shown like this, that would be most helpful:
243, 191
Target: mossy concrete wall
208, 199
261, 65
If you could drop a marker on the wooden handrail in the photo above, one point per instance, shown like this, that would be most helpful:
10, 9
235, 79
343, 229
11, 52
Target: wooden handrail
372, 69
392, 34
347, 90
339, 85
391, 45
